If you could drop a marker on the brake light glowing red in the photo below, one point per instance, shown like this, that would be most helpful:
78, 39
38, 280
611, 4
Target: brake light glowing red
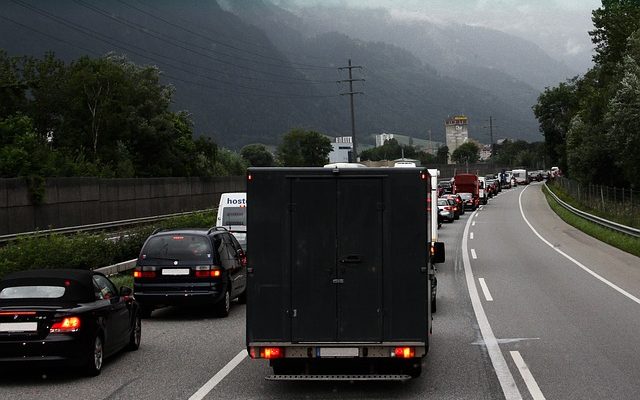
271, 352
178, 238
68, 324
404, 352
250, 177
137, 274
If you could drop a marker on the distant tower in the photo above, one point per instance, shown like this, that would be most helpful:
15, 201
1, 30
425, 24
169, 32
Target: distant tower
456, 131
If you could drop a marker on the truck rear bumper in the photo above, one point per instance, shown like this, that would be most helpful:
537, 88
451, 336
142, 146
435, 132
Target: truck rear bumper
338, 350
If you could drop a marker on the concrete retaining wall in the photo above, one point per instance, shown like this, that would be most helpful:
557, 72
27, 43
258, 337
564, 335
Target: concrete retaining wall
82, 201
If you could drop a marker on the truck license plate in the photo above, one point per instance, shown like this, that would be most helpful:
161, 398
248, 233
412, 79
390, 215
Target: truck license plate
339, 352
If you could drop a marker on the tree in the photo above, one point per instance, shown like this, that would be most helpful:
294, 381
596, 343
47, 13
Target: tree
257, 155
554, 111
467, 153
614, 22
442, 156
624, 114
300, 148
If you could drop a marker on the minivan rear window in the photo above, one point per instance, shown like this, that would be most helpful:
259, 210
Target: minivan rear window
178, 247
234, 216
32, 292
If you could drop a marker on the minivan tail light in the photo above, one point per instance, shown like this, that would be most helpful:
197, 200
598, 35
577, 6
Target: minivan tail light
68, 324
144, 274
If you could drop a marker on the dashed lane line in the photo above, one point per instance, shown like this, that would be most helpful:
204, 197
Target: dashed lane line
485, 289
507, 383
219, 376
529, 380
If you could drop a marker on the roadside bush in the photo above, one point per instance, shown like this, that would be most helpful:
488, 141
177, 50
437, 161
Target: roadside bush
88, 250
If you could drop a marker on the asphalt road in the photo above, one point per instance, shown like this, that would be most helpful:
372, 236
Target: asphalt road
573, 334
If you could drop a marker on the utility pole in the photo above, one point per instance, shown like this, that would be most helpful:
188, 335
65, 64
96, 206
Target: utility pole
350, 67
491, 126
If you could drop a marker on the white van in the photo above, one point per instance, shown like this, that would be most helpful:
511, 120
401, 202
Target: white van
232, 209
522, 178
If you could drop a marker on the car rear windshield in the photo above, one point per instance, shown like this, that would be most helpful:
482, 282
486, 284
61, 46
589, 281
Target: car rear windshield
32, 292
234, 216
443, 202
178, 247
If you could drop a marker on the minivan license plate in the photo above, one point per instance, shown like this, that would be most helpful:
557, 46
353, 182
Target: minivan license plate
339, 352
175, 271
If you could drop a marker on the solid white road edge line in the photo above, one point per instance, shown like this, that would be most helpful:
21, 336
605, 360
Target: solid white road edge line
529, 380
485, 289
500, 366
576, 262
473, 254
471, 236
218, 377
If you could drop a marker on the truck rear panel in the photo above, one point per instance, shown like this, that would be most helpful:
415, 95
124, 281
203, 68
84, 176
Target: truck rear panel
338, 260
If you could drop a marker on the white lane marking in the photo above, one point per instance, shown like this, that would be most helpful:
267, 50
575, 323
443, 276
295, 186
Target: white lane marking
471, 236
485, 289
507, 340
218, 377
473, 223
503, 373
535, 391
473, 254
576, 262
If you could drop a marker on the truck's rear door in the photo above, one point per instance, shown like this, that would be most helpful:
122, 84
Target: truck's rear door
336, 273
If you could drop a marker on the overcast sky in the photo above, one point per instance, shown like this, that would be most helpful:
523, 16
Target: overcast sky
560, 27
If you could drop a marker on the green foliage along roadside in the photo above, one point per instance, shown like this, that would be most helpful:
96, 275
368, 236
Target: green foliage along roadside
104, 117
621, 241
88, 250
590, 123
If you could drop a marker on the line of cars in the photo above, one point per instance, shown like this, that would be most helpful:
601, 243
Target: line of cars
78, 317
465, 192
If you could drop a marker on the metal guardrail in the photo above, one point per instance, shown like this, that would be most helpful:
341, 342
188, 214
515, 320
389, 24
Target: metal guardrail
594, 218
117, 268
98, 226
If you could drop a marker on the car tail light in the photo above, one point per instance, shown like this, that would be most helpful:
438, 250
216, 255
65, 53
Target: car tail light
404, 352
139, 273
243, 260
68, 324
447, 208
205, 271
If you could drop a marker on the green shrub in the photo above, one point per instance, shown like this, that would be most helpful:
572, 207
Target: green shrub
88, 250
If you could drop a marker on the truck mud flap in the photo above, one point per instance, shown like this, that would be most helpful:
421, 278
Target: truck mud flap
383, 377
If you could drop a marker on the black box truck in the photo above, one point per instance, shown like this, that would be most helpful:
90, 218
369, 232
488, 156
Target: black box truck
340, 270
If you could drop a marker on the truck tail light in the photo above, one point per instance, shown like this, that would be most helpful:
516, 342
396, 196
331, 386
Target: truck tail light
404, 352
266, 352
68, 324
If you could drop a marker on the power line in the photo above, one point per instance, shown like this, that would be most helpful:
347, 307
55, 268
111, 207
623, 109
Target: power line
50, 36
218, 33
173, 41
302, 65
110, 40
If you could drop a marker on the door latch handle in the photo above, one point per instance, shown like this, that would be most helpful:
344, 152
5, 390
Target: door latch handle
352, 259
338, 281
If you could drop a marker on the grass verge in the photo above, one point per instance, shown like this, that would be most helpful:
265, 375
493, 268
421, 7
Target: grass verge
123, 279
623, 242
88, 250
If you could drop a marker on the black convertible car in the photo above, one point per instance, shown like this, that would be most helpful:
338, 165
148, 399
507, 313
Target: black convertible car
74, 317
